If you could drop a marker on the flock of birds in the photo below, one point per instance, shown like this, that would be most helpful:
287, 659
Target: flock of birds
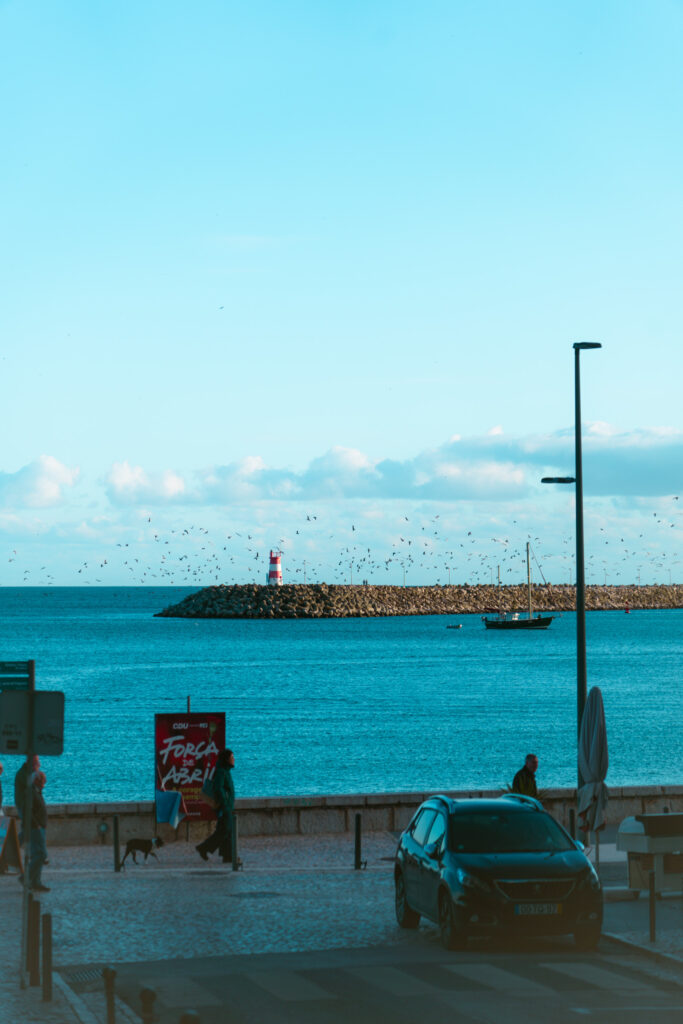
422, 552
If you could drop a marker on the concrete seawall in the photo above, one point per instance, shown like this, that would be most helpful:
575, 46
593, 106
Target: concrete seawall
324, 601
81, 824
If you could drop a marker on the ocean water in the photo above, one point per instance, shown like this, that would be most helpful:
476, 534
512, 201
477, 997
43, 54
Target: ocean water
341, 705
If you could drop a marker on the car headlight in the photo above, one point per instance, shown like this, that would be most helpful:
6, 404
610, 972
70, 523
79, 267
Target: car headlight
471, 882
591, 879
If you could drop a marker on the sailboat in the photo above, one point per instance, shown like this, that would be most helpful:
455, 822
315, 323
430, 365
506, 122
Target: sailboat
513, 620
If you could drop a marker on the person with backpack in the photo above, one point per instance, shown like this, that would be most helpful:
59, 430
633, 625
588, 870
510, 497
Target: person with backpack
224, 795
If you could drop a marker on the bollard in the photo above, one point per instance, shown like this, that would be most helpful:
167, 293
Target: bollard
117, 851
27, 964
572, 823
47, 958
357, 861
147, 997
653, 906
34, 943
234, 844
190, 1017
109, 976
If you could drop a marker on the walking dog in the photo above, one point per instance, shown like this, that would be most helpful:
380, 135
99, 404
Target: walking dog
146, 846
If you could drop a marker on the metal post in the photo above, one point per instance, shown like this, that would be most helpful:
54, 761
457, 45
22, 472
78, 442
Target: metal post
26, 953
27, 814
357, 856
117, 847
580, 572
597, 853
109, 976
147, 997
47, 958
572, 823
34, 944
187, 820
653, 906
234, 844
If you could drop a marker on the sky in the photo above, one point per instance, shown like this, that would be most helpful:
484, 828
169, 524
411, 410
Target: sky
307, 276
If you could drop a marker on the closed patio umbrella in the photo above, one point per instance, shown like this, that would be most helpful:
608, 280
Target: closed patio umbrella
593, 764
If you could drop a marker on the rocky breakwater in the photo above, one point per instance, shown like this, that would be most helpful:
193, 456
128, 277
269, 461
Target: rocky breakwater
323, 601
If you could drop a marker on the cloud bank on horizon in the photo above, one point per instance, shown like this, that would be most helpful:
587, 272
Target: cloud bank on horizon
458, 511
493, 467
637, 463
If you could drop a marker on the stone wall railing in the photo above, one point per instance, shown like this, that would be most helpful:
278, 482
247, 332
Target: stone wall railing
79, 824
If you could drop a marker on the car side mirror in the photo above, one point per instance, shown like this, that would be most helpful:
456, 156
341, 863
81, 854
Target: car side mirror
579, 845
433, 851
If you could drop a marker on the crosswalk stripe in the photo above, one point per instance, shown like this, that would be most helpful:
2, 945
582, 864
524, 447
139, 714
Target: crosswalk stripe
499, 979
288, 986
182, 991
392, 980
601, 977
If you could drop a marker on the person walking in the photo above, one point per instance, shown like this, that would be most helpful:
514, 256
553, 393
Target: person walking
525, 779
21, 784
38, 847
224, 792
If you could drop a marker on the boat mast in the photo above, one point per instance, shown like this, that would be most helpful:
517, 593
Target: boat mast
528, 579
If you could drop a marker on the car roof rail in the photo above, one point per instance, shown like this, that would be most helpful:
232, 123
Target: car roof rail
522, 799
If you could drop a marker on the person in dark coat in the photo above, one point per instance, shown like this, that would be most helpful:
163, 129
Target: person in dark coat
224, 793
38, 848
21, 783
525, 780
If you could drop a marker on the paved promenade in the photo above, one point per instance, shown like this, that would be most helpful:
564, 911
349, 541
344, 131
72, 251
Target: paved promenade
296, 896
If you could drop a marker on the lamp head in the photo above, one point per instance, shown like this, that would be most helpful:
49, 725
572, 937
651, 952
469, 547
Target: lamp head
558, 480
587, 344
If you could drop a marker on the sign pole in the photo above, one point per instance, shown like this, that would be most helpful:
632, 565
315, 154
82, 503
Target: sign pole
187, 820
26, 822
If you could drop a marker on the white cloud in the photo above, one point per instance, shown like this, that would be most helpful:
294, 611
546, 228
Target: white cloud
128, 484
40, 484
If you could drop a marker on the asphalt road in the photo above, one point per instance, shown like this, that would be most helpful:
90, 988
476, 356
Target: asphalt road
546, 982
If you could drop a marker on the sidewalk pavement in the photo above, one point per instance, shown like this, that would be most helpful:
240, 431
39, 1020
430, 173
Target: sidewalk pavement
294, 894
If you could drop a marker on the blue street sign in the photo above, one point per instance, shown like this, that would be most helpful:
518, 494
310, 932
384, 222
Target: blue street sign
14, 675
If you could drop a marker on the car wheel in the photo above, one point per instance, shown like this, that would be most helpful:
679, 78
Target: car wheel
587, 937
405, 915
452, 937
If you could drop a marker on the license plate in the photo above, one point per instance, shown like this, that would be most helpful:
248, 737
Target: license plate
538, 908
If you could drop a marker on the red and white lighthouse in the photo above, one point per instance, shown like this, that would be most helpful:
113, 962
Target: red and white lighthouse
275, 570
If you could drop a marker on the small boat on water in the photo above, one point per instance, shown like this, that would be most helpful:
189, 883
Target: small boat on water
456, 625
514, 620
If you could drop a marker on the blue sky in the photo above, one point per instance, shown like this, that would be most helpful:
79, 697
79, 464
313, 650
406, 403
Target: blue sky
270, 261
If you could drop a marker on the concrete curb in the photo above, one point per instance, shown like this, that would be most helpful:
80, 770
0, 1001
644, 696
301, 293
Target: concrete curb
81, 1012
656, 954
617, 894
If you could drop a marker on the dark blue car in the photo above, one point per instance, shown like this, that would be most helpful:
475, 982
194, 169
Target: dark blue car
477, 867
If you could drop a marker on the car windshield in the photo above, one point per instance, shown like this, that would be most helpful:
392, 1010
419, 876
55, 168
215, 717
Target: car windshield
506, 832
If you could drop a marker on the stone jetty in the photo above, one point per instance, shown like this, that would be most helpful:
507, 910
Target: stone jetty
326, 601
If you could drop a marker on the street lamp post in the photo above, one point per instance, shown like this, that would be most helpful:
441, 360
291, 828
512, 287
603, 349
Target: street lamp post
581, 675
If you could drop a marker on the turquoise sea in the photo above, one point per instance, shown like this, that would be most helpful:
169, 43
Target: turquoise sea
341, 705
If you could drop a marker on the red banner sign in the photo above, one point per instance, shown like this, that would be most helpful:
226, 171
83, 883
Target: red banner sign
185, 750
